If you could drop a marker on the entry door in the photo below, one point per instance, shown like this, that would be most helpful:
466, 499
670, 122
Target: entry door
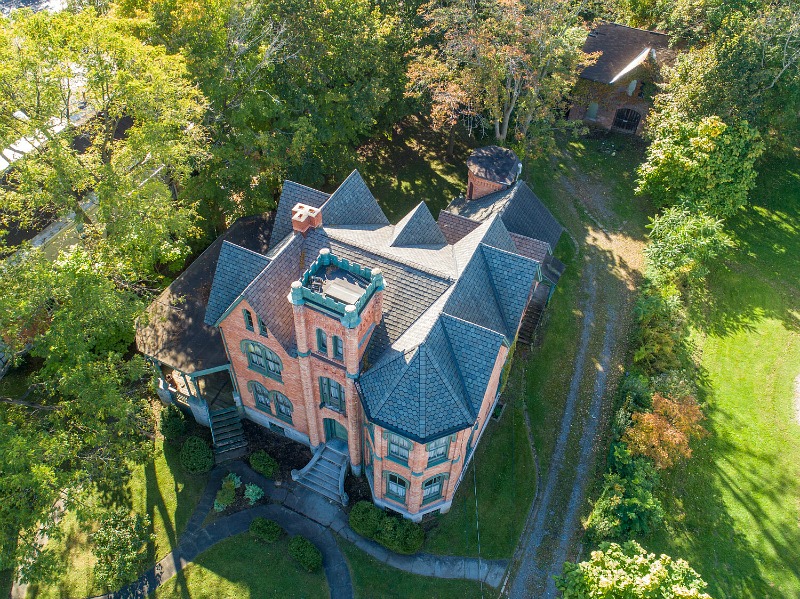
334, 430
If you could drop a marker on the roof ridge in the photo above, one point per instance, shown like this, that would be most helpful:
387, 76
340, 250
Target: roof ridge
417, 228
470, 412
388, 255
241, 247
397, 379
285, 181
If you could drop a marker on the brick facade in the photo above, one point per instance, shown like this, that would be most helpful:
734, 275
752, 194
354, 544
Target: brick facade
478, 187
609, 98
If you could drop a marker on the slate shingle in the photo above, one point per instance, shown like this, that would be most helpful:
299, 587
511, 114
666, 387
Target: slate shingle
291, 194
353, 204
418, 228
236, 268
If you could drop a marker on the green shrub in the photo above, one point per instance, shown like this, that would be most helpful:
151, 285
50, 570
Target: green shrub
196, 455
303, 550
627, 506
120, 546
398, 534
253, 493
173, 424
225, 496
235, 479
263, 463
401, 535
265, 530
366, 519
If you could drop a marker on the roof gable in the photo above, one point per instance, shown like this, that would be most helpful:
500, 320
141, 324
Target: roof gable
525, 214
512, 279
236, 268
353, 204
418, 228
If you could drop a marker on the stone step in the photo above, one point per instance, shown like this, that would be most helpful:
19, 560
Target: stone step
228, 427
329, 477
324, 491
240, 444
327, 467
224, 412
336, 447
225, 418
322, 481
333, 458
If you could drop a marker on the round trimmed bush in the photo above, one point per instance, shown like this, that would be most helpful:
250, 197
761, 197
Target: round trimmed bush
303, 550
173, 424
366, 519
263, 463
196, 455
265, 530
401, 535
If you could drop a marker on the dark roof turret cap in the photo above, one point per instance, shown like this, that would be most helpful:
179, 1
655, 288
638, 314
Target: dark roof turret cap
493, 163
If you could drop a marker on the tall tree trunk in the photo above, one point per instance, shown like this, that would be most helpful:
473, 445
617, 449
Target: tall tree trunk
451, 141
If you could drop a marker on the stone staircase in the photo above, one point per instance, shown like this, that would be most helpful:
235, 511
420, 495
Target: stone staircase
227, 433
325, 473
533, 313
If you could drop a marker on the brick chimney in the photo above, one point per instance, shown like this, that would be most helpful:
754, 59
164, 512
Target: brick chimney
491, 169
305, 218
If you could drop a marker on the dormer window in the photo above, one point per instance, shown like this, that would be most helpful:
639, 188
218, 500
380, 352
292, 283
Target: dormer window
248, 319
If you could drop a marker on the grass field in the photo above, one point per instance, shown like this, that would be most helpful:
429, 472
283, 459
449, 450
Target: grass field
243, 568
159, 489
374, 580
734, 508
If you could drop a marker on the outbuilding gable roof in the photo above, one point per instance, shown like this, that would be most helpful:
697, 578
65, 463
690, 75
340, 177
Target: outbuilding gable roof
622, 48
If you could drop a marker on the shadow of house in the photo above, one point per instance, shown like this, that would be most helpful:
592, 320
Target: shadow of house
614, 92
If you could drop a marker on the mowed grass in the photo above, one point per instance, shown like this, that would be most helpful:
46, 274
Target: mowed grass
734, 508
503, 472
159, 489
375, 580
243, 568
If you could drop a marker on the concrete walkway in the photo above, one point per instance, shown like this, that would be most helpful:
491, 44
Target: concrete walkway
299, 511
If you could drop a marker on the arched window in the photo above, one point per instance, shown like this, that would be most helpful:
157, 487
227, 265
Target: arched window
262, 359
396, 487
432, 488
331, 393
283, 407
261, 396
627, 120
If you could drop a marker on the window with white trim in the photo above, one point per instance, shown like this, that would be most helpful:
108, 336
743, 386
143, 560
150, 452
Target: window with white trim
396, 487
438, 450
432, 488
399, 448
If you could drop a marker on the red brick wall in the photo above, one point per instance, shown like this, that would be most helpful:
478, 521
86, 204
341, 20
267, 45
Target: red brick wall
481, 187
609, 99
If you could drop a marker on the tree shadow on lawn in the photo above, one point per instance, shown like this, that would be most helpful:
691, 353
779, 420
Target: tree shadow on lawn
411, 166
700, 525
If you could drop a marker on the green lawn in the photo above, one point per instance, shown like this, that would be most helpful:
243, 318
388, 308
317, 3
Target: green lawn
504, 469
242, 568
411, 166
734, 508
374, 580
159, 489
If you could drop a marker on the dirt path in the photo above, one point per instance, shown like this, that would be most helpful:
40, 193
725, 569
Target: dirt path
613, 262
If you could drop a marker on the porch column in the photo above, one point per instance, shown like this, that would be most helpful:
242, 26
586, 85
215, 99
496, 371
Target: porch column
303, 353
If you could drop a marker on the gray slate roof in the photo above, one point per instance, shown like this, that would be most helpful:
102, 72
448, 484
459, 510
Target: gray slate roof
236, 268
291, 194
494, 163
436, 388
418, 228
447, 307
353, 204
173, 330
522, 212
455, 227
620, 45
